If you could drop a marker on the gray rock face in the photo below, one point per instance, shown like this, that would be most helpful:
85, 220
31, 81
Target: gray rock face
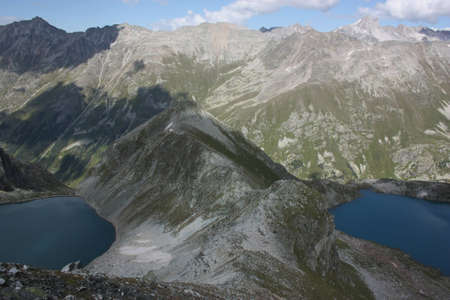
70, 267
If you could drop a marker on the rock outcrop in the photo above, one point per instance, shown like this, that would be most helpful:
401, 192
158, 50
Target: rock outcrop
27, 283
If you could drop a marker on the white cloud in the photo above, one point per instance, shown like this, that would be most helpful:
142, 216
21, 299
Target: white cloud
242, 10
412, 10
8, 19
189, 19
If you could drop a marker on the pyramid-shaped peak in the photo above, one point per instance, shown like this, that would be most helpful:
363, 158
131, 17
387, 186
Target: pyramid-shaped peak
37, 24
39, 20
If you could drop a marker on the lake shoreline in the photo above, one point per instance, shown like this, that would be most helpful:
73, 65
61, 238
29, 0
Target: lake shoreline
337, 194
426, 190
43, 197
415, 226
57, 231
381, 266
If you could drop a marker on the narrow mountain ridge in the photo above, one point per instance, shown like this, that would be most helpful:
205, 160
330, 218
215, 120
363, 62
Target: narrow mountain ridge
193, 201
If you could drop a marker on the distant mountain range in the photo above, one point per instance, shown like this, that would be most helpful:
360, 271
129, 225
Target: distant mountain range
364, 101
369, 29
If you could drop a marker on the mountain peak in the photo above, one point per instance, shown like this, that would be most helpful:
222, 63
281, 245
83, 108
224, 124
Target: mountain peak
38, 19
369, 29
367, 22
49, 46
37, 24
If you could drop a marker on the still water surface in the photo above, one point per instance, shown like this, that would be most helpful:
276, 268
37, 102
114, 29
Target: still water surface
418, 227
50, 233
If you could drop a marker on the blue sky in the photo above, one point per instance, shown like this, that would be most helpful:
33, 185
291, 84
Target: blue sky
323, 15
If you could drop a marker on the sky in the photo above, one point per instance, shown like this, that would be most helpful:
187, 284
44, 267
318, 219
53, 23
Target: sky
323, 15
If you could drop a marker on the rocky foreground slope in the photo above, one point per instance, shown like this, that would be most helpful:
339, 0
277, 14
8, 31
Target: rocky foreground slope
364, 101
21, 282
20, 181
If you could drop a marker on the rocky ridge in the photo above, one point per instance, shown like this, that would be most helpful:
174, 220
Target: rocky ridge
193, 201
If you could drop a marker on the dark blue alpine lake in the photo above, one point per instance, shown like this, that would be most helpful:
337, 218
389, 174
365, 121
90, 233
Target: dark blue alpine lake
53, 232
418, 227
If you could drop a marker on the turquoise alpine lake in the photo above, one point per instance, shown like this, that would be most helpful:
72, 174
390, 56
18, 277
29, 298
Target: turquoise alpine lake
417, 227
50, 233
